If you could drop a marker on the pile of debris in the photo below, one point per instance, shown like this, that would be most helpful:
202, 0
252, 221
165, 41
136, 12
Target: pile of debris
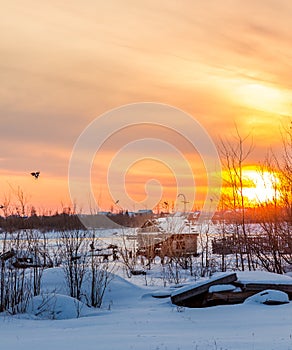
230, 288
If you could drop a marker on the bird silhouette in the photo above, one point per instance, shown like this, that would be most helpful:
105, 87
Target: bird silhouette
35, 174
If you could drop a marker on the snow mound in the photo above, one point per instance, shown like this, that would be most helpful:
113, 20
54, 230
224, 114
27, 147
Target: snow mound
262, 277
118, 291
54, 281
269, 297
56, 307
221, 288
122, 292
164, 293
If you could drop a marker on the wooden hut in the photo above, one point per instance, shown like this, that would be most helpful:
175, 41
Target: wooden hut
152, 241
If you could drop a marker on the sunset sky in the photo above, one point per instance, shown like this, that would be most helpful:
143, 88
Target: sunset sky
64, 63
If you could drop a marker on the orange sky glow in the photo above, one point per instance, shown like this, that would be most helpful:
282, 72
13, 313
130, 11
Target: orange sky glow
63, 64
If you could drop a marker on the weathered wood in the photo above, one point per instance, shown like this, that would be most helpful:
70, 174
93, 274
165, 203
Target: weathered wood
163, 244
275, 302
223, 298
7, 255
259, 287
183, 295
138, 272
24, 265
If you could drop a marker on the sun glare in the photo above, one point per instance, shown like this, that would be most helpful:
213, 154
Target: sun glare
262, 97
259, 186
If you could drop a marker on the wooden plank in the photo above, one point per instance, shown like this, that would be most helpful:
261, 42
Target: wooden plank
227, 298
7, 255
259, 287
181, 295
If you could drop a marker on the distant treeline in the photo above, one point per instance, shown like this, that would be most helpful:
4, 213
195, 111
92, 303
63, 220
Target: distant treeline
63, 221
255, 215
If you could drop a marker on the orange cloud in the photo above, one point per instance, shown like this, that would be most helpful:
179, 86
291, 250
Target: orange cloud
63, 64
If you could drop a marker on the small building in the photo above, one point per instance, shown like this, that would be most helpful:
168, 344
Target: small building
152, 241
148, 212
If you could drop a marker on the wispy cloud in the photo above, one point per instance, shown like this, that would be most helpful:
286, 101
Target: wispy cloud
63, 64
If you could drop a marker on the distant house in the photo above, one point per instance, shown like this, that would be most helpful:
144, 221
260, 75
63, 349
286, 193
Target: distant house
145, 212
153, 242
104, 213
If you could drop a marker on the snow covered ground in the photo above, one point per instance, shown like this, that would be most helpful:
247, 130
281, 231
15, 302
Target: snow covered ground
132, 319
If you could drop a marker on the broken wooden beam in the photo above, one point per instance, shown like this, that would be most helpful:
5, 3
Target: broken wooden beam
225, 298
259, 287
186, 295
7, 255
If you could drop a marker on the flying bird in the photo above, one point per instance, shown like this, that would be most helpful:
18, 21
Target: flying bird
36, 174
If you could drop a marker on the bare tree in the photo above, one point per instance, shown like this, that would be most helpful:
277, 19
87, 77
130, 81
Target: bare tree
22, 200
73, 247
234, 155
127, 253
99, 274
16, 283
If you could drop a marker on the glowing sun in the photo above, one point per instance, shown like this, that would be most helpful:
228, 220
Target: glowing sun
259, 187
